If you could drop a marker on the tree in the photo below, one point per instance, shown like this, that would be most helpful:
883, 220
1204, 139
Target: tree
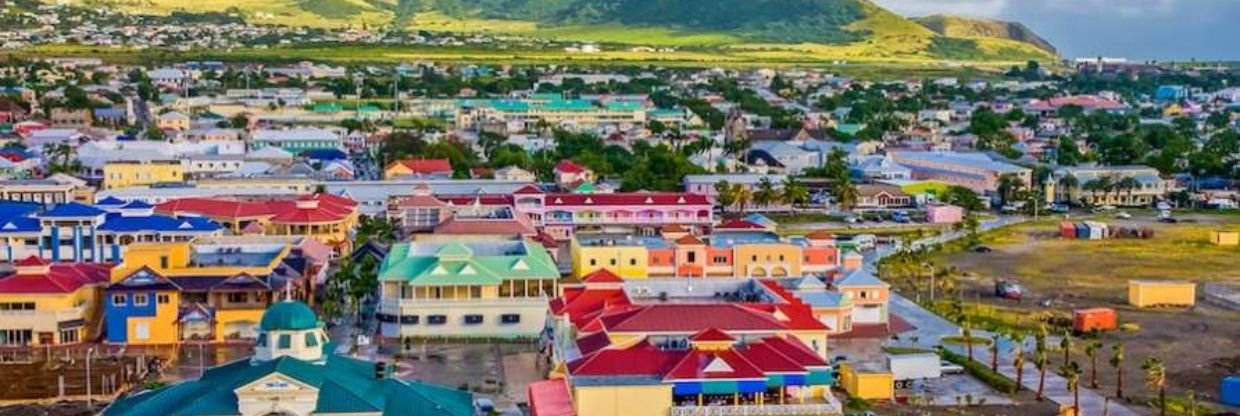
766, 194
846, 195
1117, 362
1156, 378
1041, 359
743, 196
379, 230
1065, 344
962, 197
1072, 373
1019, 362
795, 193
1010, 187
1067, 153
1091, 350
994, 351
967, 331
725, 194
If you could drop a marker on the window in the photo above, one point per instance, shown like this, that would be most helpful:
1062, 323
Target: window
613, 262
692, 257
162, 299
781, 257
475, 292
163, 262
720, 259
118, 300
17, 306
473, 319
16, 337
262, 340
238, 297
510, 318
142, 331
286, 341
140, 299
311, 340
409, 319
632, 262
436, 319
69, 336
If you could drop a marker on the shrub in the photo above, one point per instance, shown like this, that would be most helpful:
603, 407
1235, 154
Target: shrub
980, 371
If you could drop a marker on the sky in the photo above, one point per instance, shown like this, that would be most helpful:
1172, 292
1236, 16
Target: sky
1134, 29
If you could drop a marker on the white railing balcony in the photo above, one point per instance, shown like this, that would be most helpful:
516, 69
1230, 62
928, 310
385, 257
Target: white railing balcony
760, 410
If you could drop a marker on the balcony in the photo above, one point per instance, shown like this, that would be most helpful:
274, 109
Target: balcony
816, 409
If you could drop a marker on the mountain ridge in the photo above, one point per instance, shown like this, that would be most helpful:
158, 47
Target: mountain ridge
971, 27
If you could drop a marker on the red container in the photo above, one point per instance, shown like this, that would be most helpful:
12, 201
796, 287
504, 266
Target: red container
1067, 230
1094, 319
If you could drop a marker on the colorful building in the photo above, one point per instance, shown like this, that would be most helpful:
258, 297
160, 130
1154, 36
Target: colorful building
84, 233
294, 372
326, 217
466, 289
419, 168
45, 304
869, 297
1125, 186
296, 141
976, 171
739, 251
124, 174
561, 215
210, 290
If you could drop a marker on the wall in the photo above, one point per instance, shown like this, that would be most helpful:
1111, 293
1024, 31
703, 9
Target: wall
160, 320
623, 400
628, 262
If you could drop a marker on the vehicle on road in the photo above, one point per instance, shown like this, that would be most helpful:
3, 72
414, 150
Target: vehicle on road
1009, 290
947, 367
907, 368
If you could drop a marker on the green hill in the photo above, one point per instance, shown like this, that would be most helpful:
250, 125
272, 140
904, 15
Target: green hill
751, 30
965, 27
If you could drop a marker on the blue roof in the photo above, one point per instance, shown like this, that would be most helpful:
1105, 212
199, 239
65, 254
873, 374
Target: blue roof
72, 210
116, 222
15, 209
727, 239
20, 225
137, 205
110, 201
324, 154
860, 277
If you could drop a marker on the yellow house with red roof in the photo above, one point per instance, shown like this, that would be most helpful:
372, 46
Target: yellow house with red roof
324, 217
51, 304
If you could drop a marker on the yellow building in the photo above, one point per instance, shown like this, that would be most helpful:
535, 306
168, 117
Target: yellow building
629, 261
45, 304
1151, 293
211, 289
124, 174
1225, 238
867, 382
325, 217
173, 121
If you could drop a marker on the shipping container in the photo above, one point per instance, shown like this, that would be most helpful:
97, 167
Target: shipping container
1094, 319
1225, 238
1067, 230
905, 368
1151, 293
1230, 390
1082, 231
869, 382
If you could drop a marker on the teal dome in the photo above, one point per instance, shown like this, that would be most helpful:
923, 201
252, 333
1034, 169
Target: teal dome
289, 316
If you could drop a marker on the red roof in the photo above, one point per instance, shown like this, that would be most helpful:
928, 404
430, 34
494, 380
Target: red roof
702, 365
796, 351
711, 334
428, 166
485, 200
627, 198
550, 398
641, 359
568, 166
592, 343
770, 358
691, 318
327, 208
736, 224
60, 278
602, 276
527, 189
31, 261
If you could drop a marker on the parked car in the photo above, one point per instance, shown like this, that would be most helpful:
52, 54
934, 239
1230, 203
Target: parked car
947, 367
982, 249
1168, 220
1009, 290
1123, 215
484, 406
1057, 208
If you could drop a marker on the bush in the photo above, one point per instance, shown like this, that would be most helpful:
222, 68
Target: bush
980, 371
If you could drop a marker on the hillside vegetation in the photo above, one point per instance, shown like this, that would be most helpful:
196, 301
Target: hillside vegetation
964, 27
749, 30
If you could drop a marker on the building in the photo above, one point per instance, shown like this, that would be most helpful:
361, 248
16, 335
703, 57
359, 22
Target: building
975, 171
124, 174
1088, 103
882, 197
515, 174
753, 253
560, 215
43, 304
173, 120
465, 289
55, 189
209, 290
1125, 186
879, 168
868, 295
293, 372
84, 233
569, 174
325, 217
541, 112
297, 140
705, 184
419, 168
654, 347
62, 118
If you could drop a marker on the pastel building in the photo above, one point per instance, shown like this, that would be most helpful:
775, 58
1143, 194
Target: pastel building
296, 141
728, 253
975, 171
561, 215
683, 347
211, 290
326, 217
294, 372
1127, 186
124, 174
465, 289
43, 304
85, 233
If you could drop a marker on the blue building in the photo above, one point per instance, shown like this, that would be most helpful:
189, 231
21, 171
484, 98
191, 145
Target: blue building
1171, 93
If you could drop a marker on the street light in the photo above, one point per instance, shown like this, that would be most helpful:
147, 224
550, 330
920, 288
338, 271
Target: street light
89, 403
930, 267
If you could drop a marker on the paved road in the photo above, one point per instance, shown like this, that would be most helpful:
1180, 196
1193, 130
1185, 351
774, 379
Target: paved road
930, 328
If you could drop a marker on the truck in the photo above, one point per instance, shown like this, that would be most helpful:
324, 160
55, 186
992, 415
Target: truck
907, 368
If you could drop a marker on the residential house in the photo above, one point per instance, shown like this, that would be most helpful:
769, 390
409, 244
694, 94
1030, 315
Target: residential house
418, 168
11, 112
124, 174
325, 217
63, 118
296, 140
466, 289
569, 174
882, 197
44, 304
173, 120
515, 174
879, 168
1126, 186
85, 233
868, 295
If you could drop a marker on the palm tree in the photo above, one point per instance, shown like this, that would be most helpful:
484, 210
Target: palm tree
994, 351
1117, 362
794, 193
1129, 184
967, 331
1091, 350
725, 195
1156, 378
1019, 362
743, 196
766, 194
1040, 359
1065, 343
846, 195
1072, 372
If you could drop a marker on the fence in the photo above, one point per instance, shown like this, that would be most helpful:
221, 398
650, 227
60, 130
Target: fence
59, 373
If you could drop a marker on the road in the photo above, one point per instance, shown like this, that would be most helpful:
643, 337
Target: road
930, 328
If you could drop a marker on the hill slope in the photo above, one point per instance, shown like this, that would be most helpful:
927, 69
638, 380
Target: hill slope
826, 30
965, 27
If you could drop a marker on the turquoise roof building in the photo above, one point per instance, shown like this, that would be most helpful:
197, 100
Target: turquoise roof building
292, 373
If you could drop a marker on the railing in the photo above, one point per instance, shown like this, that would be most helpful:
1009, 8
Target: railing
56, 315
763, 410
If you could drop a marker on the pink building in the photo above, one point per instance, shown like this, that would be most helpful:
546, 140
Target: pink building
944, 214
562, 214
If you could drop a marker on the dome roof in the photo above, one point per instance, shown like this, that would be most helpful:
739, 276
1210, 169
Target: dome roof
289, 316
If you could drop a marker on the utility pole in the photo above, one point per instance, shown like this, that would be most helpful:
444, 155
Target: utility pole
90, 405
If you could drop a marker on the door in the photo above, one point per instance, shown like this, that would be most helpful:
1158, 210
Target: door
46, 338
142, 331
867, 314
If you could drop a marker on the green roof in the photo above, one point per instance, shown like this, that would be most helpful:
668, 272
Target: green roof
289, 316
327, 108
625, 106
475, 263
368, 108
345, 385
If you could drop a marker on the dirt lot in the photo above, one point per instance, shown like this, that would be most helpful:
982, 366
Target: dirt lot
1199, 345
